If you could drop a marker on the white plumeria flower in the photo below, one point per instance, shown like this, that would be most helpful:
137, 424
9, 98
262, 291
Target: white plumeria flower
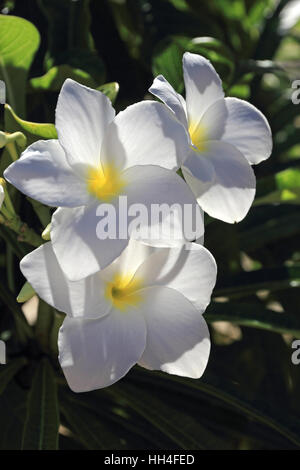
227, 135
97, 158
146, 308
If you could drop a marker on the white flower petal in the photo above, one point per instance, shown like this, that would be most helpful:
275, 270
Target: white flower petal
222, 180
44, 174
130, 259
239, 123
153, 186
177, 335
77, 299
162, 89
190, 270
82, 117
203, 85
146, 133
79, 251
96, 353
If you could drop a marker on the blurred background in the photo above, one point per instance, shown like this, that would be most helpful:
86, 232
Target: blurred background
249, 395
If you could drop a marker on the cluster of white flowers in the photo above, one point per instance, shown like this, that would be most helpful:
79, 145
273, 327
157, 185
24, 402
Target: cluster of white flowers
129, 301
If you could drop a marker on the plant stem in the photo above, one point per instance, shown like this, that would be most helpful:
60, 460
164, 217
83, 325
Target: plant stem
12, 151
23, 329
25, 233
7, 201
10, 268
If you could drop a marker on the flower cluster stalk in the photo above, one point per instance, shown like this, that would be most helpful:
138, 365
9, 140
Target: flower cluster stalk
9, 218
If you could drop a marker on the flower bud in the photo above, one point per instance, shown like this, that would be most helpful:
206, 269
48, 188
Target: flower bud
26, 293
46, 233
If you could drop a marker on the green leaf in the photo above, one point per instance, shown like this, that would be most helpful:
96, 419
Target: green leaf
24, 331
69, 37
26, 293
86, 424
55, 77
270, 231
19, 40
57, 322
10, 238
44, 325
34, 129
12, 416
283, 187
167, 60
129, 23
215, 51
210, 44
260, 67
111, 90
245, 283
286, 196
8, 371
42, 420
223, 394
189, 435
254, 316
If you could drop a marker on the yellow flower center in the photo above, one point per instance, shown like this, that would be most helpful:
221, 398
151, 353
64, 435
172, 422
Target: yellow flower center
123, 291
105, 182
198, 136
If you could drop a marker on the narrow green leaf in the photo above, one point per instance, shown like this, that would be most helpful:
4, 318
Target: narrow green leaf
283, 196
223, 394
44, 325
260, 66
246, 283
11, 239
57, 322
12, 416
283, 187
269, 231
8, 371
24, 331
86, 424
189, 435
42, 420
253, 316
